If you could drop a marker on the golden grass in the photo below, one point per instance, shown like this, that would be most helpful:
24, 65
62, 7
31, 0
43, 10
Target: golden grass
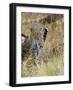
51, 68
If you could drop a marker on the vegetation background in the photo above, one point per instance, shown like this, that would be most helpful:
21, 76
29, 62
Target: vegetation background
52, 62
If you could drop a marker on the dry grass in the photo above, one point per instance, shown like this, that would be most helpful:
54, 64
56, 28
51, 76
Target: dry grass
51, 68
52, 61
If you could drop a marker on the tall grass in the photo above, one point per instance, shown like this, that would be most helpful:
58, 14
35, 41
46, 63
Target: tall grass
51, 68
